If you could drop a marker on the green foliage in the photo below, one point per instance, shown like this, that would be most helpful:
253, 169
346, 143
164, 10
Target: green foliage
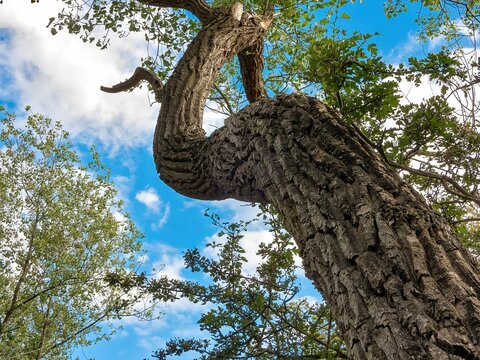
60, 234
353, 77
435, 139
452, 19
251, 315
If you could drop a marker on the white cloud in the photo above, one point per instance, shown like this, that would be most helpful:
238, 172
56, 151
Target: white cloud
412, 93
239, 210
250, 242
60, 76
231, 210
170, 266
212, 120
163, 219
406, 49
151, 343
150, 199
168, 260
412, 46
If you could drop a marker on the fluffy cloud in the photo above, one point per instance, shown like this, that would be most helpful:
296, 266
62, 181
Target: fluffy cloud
60, 76
150, 198
168, 260
232, 210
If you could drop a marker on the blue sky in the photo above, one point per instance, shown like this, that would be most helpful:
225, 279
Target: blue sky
60, 77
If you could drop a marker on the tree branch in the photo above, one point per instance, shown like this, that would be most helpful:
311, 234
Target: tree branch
472, 219
251, 68
184, 157
251, 59
139, 75
199, 8
225, 99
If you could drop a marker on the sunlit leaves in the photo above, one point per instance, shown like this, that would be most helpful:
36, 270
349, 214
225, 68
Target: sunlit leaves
252, 315
61, 230
352, 77
452, 19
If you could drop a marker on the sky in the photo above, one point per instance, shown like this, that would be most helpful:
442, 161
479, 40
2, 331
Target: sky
60, 78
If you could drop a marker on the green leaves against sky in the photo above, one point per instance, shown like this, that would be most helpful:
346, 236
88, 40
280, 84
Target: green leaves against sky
62, 230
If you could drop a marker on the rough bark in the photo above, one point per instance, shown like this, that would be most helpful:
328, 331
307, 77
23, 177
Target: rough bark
398, 281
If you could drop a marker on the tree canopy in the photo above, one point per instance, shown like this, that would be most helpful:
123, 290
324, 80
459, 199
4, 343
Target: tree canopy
62, 232
310, 47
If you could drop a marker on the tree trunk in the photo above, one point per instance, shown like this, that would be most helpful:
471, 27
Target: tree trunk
398, 281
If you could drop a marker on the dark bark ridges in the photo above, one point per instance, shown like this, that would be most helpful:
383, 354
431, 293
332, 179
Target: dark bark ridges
379, 254
199, 8
179, 139
399, 283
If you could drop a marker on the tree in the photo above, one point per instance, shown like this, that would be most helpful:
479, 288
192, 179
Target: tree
252, 315
398, 280
62, 232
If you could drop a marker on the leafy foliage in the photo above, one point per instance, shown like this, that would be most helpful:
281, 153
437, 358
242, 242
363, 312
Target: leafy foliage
452, 19
251, 315
60, 234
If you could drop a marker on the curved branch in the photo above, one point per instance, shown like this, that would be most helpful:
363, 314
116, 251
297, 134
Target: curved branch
251, 59
199, 8
450, 185
184, 157
139, 75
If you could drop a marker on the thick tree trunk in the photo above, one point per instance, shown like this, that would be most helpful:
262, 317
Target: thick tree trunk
398, 281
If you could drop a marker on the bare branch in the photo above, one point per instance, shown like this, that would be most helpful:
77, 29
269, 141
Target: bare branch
139, 75
225, 99
472, 219
251, 67
199, 8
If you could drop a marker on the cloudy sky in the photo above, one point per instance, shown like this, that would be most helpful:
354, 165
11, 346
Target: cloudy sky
60, 77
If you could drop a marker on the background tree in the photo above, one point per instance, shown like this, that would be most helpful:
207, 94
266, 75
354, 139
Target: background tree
251, 315
62, 231
399, 283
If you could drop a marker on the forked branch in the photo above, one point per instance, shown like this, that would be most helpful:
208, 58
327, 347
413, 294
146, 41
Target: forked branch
185, 158
140, 74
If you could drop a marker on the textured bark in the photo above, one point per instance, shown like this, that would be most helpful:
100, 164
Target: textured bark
199, 8
251, 67
398, 281
179, 138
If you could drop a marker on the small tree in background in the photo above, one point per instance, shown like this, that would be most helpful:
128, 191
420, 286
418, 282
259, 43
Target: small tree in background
62, 231
257, 315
